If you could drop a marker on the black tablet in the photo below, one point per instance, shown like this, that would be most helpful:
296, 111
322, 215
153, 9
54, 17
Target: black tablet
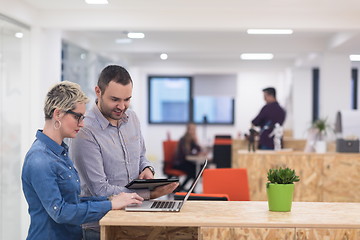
150, 183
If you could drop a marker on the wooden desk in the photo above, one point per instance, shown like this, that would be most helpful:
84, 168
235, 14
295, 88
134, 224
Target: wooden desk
237, 220
329, 177
297, 145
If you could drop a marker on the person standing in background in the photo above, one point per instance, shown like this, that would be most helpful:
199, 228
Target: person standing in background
268, 116
109, 151
50, 182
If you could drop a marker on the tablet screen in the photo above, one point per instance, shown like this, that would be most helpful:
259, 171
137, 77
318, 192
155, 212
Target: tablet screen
150, 183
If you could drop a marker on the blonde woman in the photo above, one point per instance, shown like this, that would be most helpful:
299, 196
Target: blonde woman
51, 184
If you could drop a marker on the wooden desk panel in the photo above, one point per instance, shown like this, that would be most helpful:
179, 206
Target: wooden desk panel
294, 144
149, 233
328, 234
329, 177
211, 233
220, 220
341, 178
289, 144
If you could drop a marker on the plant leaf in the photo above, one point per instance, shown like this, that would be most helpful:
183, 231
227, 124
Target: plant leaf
282, 176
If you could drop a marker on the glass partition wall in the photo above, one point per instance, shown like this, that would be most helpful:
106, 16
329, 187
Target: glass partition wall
14, 77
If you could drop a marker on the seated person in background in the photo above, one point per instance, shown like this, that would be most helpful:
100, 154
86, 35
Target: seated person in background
188, 145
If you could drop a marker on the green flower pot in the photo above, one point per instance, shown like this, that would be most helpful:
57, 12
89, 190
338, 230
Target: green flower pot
280, 197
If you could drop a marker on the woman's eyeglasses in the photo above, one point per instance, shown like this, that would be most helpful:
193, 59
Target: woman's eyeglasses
78, 116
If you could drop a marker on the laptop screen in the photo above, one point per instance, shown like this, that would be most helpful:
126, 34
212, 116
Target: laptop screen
195, 182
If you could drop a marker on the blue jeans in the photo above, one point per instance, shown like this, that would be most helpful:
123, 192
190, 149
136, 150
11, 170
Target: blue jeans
90, 234
264, 147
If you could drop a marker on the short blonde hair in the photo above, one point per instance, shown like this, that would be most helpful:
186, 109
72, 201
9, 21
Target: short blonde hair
64, 96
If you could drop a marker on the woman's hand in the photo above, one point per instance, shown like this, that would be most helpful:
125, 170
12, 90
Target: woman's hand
122, 200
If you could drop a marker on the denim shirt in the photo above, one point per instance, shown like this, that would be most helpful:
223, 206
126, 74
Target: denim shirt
51, 187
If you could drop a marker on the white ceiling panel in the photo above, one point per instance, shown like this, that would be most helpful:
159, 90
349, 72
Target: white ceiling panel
206, 30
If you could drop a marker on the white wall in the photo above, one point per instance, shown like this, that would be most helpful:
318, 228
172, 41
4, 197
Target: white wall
250, 96
302, 102
45, 68
39, 68
335, 75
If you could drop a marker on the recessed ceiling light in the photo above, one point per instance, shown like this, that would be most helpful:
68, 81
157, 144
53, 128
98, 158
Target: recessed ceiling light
135, 35
96, 1
163, 56
257, 56
19, 35
270, 31
123, 40
312, 56
354, 57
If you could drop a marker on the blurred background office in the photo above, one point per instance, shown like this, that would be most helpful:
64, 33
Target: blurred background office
202, 44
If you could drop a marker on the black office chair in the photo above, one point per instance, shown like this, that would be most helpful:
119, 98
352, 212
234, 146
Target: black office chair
223, 137
201, 197
222, 151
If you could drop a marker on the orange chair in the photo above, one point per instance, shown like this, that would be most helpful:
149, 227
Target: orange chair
169, 149
202, 197
231, 181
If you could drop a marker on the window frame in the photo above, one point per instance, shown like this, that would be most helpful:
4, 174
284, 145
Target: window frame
190, 102
150, 77
217, 123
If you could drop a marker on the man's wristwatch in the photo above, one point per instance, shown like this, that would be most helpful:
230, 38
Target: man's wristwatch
151, 169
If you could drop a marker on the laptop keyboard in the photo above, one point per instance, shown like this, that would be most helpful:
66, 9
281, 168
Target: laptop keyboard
163, 204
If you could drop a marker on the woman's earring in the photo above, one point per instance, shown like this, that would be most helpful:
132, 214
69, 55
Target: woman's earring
57, 125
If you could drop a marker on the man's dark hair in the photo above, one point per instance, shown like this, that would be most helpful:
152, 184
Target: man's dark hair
271, 91
114, 73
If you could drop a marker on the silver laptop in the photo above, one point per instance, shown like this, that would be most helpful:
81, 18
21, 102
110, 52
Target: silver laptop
165, 205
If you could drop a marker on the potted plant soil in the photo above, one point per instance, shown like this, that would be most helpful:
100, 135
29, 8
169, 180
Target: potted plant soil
280, 189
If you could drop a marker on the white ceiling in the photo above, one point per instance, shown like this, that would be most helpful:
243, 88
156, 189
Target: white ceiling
207, 30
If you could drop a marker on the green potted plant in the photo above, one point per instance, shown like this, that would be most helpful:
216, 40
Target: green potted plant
321, 127
280, 189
